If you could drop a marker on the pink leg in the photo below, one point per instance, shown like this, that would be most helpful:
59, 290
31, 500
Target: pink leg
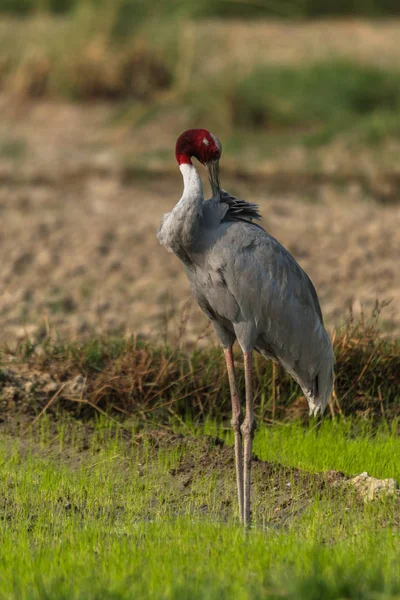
248, 434
236, 422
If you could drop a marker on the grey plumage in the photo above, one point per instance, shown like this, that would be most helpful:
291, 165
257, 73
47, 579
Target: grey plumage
250, 286
238, 209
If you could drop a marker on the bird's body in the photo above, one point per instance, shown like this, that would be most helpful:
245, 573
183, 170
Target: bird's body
253, 291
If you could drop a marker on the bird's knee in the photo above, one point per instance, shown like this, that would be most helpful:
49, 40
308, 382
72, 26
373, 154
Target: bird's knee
248, 427
236, 421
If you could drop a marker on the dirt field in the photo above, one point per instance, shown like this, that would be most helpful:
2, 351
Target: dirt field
78, 229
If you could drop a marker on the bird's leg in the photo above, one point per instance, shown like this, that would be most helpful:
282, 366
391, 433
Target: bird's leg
248, 428
236, 423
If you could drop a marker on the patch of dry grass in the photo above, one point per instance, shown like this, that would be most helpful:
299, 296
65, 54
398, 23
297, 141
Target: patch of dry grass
80, 58
131, 377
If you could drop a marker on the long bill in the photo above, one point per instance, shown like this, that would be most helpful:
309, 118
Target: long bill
213, 175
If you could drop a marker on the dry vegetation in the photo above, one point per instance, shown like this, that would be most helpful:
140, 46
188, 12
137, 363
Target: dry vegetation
130, 377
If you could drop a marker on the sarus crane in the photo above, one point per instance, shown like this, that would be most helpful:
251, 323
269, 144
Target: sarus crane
252, 290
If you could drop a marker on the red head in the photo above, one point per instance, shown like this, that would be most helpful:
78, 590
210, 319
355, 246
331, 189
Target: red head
199, 143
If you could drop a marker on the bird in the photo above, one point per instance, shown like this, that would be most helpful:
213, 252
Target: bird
252, 290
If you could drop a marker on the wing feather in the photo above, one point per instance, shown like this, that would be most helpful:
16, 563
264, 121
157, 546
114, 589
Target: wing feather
239, 209
278, 307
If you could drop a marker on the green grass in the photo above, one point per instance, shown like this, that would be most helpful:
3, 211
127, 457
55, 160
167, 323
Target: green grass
350, 447
14, 149
185, 560
95, 515
309, 103
344, 447
106, 509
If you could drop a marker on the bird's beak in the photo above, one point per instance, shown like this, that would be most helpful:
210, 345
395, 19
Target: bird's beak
213, 174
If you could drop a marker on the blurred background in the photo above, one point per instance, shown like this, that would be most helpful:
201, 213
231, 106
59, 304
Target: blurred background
305, 97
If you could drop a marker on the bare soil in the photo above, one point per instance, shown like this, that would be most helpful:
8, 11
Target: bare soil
78, 229
279, 494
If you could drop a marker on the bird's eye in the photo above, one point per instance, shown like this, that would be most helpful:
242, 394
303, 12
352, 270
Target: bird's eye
206, 142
